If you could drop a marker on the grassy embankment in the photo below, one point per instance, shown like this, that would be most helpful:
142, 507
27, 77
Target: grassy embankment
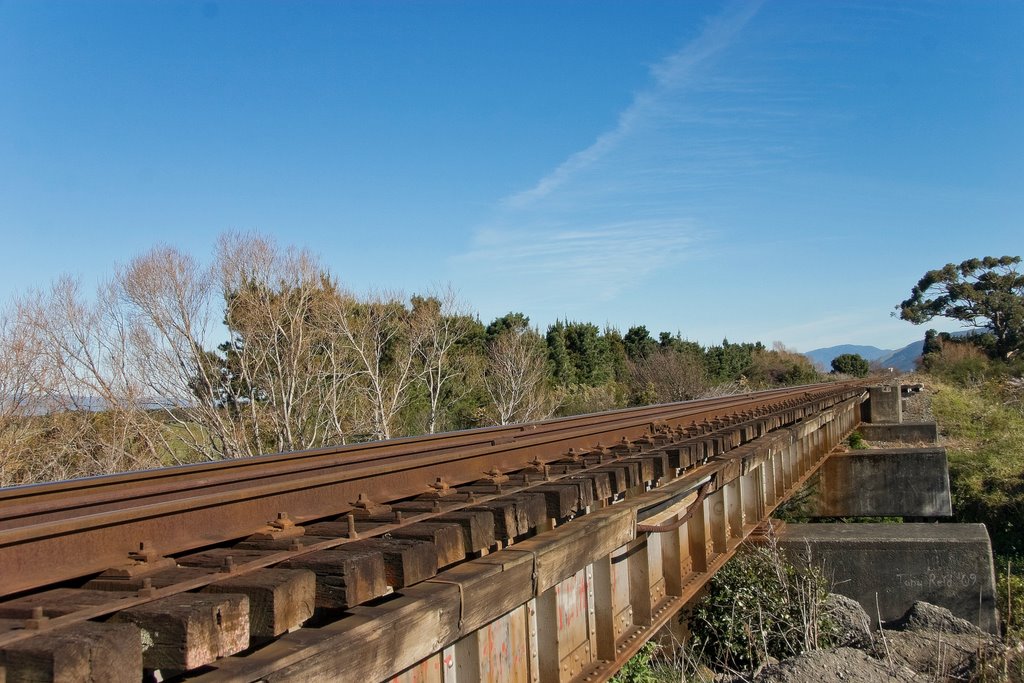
982, 427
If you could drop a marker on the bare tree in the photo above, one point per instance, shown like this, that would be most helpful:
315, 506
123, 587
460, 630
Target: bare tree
168, 297
125, 378
516, 377
290, 372
20, 402
667, 375
444, 324
384, 337
84, 378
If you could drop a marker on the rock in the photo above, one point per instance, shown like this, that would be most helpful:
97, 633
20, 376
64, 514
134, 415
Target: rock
841, 664
852, 622
930, 640
940, 655
923, 616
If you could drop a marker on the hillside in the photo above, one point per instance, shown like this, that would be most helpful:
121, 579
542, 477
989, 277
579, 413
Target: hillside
904, 359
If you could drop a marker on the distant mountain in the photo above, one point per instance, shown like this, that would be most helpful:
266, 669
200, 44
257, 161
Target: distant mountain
823, 357
905, 359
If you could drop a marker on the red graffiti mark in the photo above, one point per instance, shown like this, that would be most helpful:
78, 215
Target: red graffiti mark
572, 601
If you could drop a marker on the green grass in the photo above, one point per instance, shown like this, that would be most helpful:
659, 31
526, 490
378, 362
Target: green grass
983, 429
985, 446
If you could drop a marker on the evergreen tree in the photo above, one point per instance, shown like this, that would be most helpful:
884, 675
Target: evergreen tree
516, 322
981, 293
562, 367
638, 342
730, 362
850, 364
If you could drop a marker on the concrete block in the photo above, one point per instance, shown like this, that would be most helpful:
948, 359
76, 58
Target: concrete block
890, 482
903, 432
885, 404
887, 567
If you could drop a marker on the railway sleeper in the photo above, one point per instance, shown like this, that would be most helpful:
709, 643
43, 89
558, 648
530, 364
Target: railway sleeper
561, 499
477, 526
507, 523
60, 601
406, 561
279, 599
188, 630
503, 510
344, 577
447, 539
601, 485
529, 508
87, 651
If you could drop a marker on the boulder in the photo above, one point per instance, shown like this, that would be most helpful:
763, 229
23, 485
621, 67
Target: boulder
852, 622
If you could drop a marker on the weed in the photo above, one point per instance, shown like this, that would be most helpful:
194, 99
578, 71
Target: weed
759, 606
1010, 592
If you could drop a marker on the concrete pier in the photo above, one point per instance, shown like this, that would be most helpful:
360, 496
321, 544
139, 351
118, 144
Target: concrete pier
893, 482
887, 567
903, 432
885, 404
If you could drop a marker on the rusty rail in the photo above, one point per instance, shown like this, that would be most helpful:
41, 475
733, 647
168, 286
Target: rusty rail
100, 521
675, 460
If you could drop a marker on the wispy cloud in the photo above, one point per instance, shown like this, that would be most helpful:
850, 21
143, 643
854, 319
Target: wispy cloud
671, 74
598, 261
612, 215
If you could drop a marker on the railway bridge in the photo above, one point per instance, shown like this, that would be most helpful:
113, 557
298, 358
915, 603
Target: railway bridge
540, 552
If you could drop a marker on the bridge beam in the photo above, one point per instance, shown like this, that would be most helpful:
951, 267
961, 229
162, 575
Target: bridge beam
573, 603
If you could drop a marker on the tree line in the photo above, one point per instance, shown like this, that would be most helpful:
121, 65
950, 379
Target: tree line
169, 361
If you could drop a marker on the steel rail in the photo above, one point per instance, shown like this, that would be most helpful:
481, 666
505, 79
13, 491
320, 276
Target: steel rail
126, 486
99, 530
52, 501
273, 558
45, 503
286, 659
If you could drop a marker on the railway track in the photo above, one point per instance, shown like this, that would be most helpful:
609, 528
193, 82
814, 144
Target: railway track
251, 549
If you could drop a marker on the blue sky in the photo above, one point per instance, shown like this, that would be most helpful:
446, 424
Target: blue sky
758, 171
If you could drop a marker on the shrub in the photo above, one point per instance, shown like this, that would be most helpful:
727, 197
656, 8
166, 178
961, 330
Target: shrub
856, 441
667, 661
760, 606
579, 399
665, 375
639, 668
781, 367
960, 363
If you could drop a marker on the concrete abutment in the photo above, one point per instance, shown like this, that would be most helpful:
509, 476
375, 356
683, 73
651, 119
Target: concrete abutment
887, 567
